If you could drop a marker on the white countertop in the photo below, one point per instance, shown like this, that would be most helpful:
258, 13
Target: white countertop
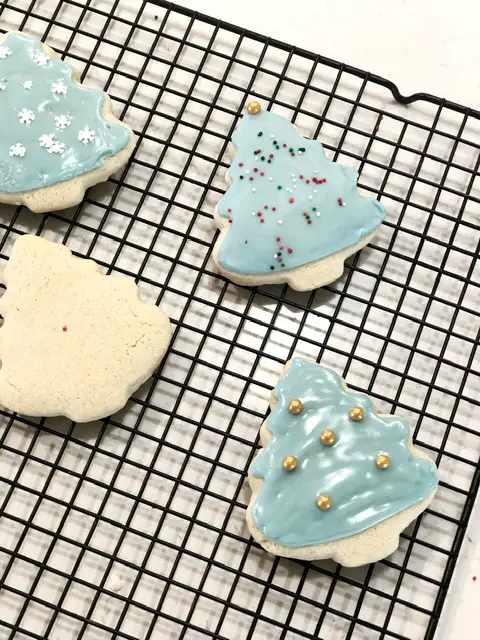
423, 47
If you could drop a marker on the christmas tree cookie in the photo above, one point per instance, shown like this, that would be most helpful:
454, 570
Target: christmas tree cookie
290, 215
334, 479
74, 342
57, 137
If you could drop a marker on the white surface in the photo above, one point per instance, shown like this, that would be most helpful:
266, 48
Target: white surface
99, 494
421, 45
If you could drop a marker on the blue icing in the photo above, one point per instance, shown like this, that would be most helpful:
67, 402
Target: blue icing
362, 494
251, 245
52, 128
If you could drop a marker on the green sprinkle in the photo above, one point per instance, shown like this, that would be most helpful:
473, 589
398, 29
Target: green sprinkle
241, 177
278, 146
308, 217
275, 142
279, 187
262, 158
260, 134
272, 268
269, 161
283, 264
290, 149
314, 209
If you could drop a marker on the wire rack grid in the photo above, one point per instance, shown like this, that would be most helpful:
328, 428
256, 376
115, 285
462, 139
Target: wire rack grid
134, 527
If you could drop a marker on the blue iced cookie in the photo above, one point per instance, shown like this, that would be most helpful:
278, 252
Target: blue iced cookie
57, 137
335, 479
289, 214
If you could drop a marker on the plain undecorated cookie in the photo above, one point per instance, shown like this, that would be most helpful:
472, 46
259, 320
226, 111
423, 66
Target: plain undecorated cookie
75, 342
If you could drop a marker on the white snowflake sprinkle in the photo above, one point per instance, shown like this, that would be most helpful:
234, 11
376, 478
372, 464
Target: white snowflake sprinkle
86, 135
253, 213
3, 84
270, 179
17, 150
315, 191
62, 121
26, 116
59, 87
28, 84
5, 52
253, 189
41, 58
310, 197
318, 214
56, 147
280, 222
46, 140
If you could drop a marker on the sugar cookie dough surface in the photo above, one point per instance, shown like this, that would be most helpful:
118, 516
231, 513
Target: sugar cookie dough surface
74, 342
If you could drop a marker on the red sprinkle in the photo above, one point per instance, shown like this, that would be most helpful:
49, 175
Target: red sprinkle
255, 170
292, 154
284, 145
305, 213
281, 247
307, 181
229, 210
240, 164
301, 177
251, 178
262, 173
274, 208
290, 250
259, 214
278, 238
309, 221
292, 200
279, 259
64, 328
271, 155
474, 578
262, 220
324, 180
266, 206
230, 221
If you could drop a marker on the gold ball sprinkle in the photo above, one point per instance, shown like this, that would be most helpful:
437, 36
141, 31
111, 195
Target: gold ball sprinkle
356, 414
254, 107
289, 463
328, 437
382, 461
324, 502
295, 407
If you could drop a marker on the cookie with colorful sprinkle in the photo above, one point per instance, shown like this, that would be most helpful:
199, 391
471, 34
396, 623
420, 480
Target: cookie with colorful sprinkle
74, 341
289, 214
334, 479
58, 137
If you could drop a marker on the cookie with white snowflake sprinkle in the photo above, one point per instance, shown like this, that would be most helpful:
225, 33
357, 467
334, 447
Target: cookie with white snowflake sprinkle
58, 137
74, 342
289, 214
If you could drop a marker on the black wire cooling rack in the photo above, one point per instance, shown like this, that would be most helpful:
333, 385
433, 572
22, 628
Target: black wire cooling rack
134, 527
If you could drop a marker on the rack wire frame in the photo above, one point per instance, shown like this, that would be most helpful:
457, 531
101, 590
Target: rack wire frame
133, 527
